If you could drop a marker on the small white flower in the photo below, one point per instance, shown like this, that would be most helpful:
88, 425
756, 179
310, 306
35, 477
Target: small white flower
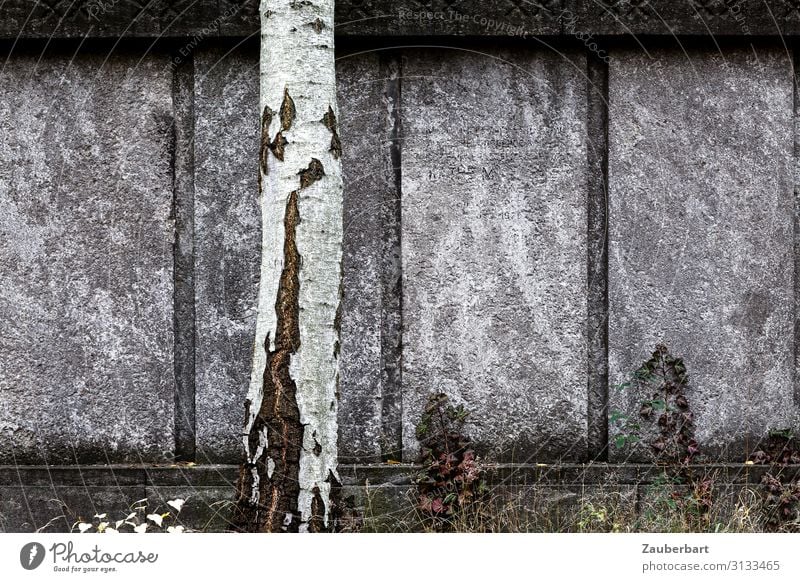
156, 519
141, 528
100, 515
175, 529
177, 504
84, 527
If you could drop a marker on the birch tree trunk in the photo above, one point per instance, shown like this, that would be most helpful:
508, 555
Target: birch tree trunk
290, 412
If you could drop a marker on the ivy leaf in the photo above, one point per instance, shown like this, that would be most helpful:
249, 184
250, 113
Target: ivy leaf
617, 416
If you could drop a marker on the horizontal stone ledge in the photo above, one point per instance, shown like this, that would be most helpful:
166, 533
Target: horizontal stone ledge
354, 18
93, 476
220, 476
53, 499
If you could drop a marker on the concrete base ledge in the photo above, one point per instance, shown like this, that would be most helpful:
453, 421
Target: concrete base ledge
53, 498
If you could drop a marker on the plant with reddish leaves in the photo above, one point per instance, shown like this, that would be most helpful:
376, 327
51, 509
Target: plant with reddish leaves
667, 427
668, 408
781, 493
451, 476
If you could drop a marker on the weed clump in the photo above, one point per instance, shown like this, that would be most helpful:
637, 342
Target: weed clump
665, 415
781, 493
451, 480
666, 426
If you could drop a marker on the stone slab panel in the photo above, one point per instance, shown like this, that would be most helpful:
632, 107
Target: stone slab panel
366, 112
86, 370
494, 247
228, 234
700, 236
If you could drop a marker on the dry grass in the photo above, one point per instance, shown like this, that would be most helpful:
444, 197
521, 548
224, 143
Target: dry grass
663, 507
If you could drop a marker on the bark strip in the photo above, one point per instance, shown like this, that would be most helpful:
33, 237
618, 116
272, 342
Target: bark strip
279, 416
329, 119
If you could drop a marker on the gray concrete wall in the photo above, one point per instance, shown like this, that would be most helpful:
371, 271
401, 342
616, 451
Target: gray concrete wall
475, 229
701, 223
494, 247
86, 187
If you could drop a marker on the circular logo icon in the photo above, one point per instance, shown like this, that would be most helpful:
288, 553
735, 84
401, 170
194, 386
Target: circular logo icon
31, 555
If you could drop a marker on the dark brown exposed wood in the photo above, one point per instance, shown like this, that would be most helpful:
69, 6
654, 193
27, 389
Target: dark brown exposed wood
278, 485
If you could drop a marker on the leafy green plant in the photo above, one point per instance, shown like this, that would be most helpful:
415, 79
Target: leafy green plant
593, 516
665, 424
451, 477
663, 378
627, 430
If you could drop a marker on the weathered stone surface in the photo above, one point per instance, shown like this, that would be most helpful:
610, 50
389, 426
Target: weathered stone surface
54, 498
227, 230
700, 235
366, 111
206, 508
86, 369
494, 247
529, 498
56, 509
501, 18
227, 235
673, 17
212, 18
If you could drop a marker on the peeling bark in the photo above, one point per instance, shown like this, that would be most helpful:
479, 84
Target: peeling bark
288, 112
329, 119
289, 435
266, 120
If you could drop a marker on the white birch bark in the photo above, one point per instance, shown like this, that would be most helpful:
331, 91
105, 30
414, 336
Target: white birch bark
297, 66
